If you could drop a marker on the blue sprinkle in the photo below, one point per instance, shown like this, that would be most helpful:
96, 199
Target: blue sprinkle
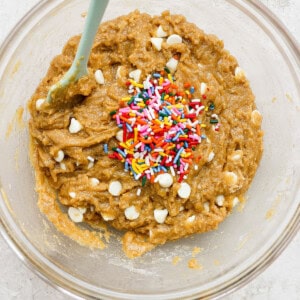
121, 152
156, 75
164, 169
182, 116
181, 131
203, 136
105, 148
126, 165
152, 89
129, 127
192, 90
186, 145
167, 111
120, 126
176, 137
178, 155
168, 103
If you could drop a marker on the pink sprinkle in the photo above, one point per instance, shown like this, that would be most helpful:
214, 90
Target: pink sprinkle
118, 119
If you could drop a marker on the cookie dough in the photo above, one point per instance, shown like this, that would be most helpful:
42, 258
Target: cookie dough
72, 139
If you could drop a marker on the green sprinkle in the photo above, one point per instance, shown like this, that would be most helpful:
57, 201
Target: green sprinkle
167, 70
144, 178
193, 148
114, 148
213, 121
113, 112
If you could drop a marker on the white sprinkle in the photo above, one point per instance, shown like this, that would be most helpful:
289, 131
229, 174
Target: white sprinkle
211, 156
135, 75
138, 192
206, 206
191, 219
131, 213
119, 136
165, 180
172, 64
235, 201
160, 32
203, 88
107, 217
75, 215
39, 103
99, 77
231, 178
94, 181
82, 209
172, 171
196, 167
184, 191
75, 126
72, 195
195, 101
156, 42
118, 73
59, 156
160, 215
63, 166
220, 200
174, 39
239, 74
115, 188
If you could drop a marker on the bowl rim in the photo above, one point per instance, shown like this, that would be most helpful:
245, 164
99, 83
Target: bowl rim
66, 285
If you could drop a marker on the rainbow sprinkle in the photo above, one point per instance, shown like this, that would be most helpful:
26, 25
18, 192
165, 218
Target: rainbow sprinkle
160, 127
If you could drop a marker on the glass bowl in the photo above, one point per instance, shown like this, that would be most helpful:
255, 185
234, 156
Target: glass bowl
248, 241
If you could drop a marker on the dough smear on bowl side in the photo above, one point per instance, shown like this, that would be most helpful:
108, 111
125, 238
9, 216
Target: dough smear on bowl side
160, 140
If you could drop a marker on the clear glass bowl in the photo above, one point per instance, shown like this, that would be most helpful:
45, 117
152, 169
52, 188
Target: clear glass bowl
244, 244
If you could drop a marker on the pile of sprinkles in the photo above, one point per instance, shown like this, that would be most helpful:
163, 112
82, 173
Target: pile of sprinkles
160, 127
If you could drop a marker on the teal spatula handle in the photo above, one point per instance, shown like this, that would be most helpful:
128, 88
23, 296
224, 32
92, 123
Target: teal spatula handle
79, 65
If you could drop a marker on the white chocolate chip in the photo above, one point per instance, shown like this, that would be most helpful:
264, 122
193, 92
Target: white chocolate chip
165, 180
39, 103
236, 155
184, 191
256, 117
211, 156
203, 88
82, 209
138, 192
235, 201
231, 178
118, 74
160, 32
75, 126
181, 208
174, 39
191, 219
135, 75
220, 200
156, 42
206, 206
59, 156
90, 165
72, 195
94, 181
160, 215
196, 167
90, 158
172, 64
115, 188
107, 217
239, 74
131, 213
75, 215
63, 166
99, 77
119, 136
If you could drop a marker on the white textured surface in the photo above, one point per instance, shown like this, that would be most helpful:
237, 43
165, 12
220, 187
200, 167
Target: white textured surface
280, 281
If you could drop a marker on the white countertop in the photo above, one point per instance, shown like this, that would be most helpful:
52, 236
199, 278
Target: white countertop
280, 281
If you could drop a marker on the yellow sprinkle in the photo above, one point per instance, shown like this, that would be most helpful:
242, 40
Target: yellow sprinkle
203, 125
132, 114
162, 154
126, 98
161, 80
124, 145
166, 97
187, 92
183, 120
135, 134
141, 104
170, 78
206, 108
